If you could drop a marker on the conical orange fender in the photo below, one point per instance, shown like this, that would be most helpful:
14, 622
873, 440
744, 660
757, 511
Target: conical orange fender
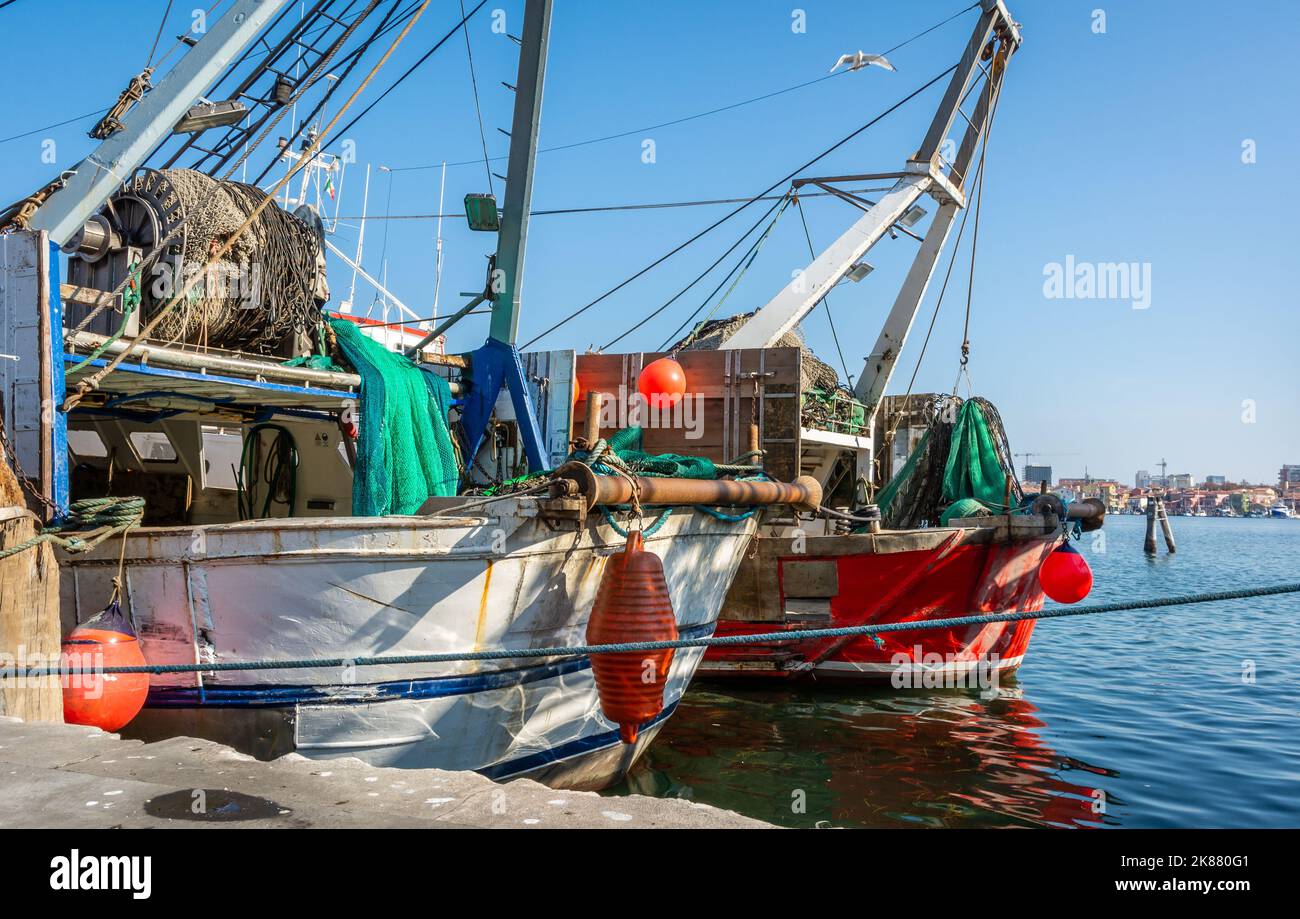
632, 604
104, 700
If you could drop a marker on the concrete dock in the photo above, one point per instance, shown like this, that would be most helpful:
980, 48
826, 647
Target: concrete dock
60, 775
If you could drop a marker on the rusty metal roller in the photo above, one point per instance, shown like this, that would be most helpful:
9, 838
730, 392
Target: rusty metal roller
632, 604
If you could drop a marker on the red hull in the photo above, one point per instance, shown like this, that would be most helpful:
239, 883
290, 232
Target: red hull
957, 573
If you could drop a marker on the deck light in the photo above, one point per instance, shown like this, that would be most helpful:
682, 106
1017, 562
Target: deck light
912, 216
859, 271
211, 115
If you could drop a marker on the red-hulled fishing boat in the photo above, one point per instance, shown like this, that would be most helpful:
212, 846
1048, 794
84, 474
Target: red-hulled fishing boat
923, 516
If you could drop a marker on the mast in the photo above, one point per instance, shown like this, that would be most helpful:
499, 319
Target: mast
497, 363
437, 254
924, 173
513, 238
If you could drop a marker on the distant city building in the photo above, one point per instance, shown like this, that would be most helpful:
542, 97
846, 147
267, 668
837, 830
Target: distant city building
1038, 474
1180, 480
1288, 477
1216, 480
1142, 479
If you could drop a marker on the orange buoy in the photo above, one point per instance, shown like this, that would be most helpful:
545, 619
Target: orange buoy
1065, 575
632, 604
104, 700
662, 383
577, 390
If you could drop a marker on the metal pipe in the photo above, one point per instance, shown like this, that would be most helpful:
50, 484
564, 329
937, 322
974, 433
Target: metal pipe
804, 493
192, 360
1086, 509
447, 324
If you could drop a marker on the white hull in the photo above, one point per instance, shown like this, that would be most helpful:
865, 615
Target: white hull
355, 587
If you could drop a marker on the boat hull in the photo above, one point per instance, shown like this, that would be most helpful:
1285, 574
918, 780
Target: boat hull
351, 587
852, 580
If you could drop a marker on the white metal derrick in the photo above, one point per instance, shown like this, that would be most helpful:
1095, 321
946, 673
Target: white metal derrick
925, 173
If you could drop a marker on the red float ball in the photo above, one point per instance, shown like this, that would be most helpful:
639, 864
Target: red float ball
662, 383
1065, 575
104, 700
577, 390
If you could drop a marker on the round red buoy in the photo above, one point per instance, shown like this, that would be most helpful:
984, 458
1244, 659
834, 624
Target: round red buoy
662, 383
577, 390
104, 700
632, 604
1065, 574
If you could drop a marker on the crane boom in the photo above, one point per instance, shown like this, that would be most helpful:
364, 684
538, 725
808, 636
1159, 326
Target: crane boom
924, 173
101, 173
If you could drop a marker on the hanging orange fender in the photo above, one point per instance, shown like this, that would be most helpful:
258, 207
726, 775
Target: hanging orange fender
632, 604
104, 700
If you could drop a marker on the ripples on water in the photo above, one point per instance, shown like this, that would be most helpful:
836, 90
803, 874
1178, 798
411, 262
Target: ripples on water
1139, 719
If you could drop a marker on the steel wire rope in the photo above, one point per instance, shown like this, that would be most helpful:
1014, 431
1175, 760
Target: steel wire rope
93, 381
717, 223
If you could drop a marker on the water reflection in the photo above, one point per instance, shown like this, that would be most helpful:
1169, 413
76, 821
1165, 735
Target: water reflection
876, 758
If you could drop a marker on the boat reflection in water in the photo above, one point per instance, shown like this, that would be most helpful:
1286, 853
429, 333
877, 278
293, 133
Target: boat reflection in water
816, 757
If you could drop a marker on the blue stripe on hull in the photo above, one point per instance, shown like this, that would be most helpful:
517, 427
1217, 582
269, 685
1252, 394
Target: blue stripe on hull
573, 748
272, 696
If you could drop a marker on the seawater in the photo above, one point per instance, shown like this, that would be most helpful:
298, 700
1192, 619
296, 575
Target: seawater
1177, 717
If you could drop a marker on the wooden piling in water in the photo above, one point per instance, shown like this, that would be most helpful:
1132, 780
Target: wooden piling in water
1149, 547
1166, 528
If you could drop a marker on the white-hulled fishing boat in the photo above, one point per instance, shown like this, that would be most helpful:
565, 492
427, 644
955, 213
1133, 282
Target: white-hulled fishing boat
311, 588
317, 550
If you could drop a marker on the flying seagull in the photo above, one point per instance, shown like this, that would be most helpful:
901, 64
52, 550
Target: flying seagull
862, 59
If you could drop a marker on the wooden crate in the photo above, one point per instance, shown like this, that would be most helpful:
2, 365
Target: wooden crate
734, 388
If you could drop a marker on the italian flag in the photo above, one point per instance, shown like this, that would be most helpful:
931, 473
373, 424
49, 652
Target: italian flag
329, 186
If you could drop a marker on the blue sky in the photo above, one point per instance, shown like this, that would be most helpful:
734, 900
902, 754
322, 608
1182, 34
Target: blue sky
1122, 146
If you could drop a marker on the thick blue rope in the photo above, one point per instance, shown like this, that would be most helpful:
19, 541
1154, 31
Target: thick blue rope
651, 530
715, 642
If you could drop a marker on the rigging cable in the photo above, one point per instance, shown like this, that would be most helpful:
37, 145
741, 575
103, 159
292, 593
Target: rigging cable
91, 382
699, 277
161, 25
825, 300
49, 127
398, 82
994, 96
721, 220
705, 114
738, 270
608, 208
977, 183
478, 111
351, 60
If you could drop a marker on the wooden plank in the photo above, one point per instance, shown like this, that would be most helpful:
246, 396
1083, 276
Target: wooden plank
87, 296
29, 621
810, 578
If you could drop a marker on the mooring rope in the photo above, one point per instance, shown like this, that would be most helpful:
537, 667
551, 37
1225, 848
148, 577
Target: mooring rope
708, 642
107, 516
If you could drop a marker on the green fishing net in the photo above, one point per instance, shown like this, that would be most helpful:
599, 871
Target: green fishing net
626, 445
404, 453
959, 468
974, 468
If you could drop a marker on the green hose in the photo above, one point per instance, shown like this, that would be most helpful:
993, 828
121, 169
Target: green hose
279, 472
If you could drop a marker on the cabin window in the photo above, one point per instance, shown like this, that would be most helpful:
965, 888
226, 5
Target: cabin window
221, 455
153, 447
86, 443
